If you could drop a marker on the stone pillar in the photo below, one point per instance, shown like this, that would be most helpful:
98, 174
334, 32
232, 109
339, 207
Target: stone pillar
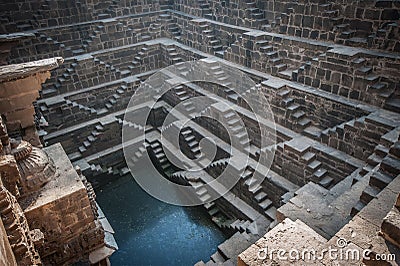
19, 88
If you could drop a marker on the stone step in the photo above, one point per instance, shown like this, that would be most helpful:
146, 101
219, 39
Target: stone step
234, 122
186, 132
304, 122
202, 191
357, 208
320, 173
379, 180
247, 174
87, 144
209, 205
298, 115
217, 257
213, 211
166, 166
326, 182
368, 194
205, 197
284, 93
260, 196
363, 70
267, 49
293, 107
193, 144
377, 87
312, 132
271, 213
314, 165
190, 138
265, 204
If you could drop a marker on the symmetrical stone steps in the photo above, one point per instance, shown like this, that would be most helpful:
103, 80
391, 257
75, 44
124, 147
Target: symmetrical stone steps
252, 181
342, 136
221, 163
160, 156
328, 22
383, 167
191, 141
99, 129
58, 80
289, 112
79, 38
113, 100
80, 107
240, 137
210, 36
173, 56
270, 57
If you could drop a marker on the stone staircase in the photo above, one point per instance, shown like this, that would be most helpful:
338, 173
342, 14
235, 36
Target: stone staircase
239, 132
252, 181
105, 66
223, 80
254, 15
206, 11
156, 148
138, 64
359, 81
87, 143
97, 169
175, 31
190, 140
113, 99
382, 166
136, 157
320, 175
214, 45
58, 81
92, 38
184, 96
173, 56
271, 58
79, 106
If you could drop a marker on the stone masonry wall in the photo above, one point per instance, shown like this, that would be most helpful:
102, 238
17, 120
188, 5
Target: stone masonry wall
28, 15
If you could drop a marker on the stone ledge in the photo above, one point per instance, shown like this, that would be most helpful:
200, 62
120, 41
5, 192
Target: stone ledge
18, 71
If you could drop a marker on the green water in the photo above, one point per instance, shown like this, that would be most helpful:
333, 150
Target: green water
151, 232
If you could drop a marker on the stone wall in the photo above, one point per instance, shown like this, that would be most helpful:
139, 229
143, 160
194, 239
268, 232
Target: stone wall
242, 13
370, 24
28, 15
68, 40
67, 219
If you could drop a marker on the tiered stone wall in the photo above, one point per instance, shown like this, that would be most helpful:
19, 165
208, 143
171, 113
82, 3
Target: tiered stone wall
241, 13
355, 75
29, 15
75, 39
370, 24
